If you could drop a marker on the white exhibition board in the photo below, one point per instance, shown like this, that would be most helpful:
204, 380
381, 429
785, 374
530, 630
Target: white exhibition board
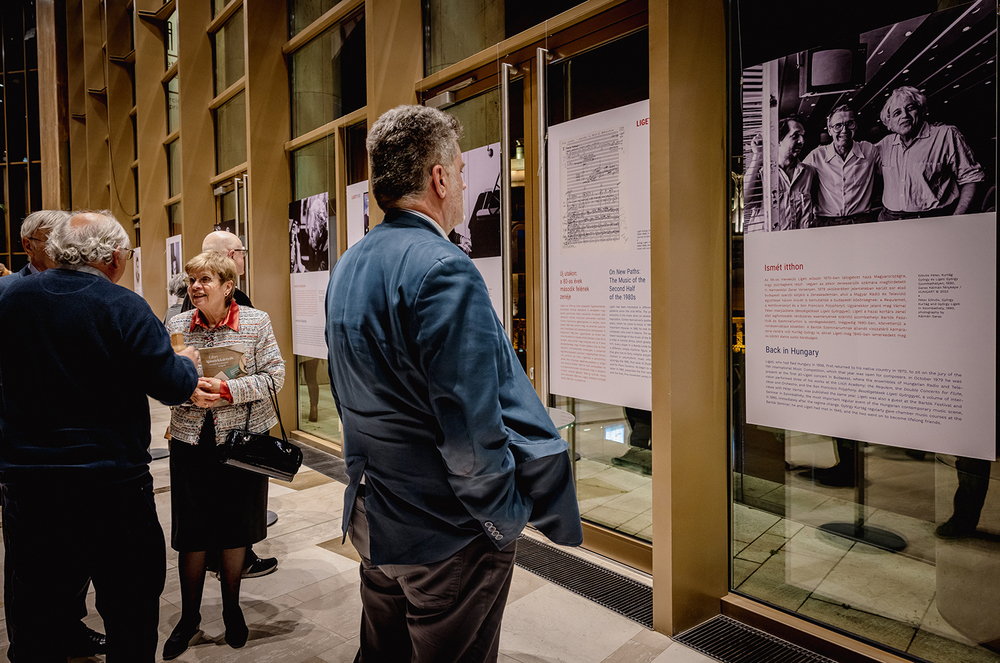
881, 332
137, 271
357, 212
175, 265
599, 247
309, 250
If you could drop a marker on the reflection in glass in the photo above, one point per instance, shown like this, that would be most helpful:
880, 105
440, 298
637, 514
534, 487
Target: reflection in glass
173, 105
175, 219
455, 30
301, 13
614, 465
228, 52
313, 169
328, 76
357, 153
231, 133
313, 173
174, 168
170, 40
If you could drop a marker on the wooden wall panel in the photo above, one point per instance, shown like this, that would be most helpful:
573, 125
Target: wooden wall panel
268, 127
197, 130
151, 129
96, 108
76, 84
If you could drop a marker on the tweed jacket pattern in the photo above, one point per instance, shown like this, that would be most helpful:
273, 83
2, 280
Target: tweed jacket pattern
263, 360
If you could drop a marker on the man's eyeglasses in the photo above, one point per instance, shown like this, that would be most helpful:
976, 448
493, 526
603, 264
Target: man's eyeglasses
245, 252
126, 253
840, 126
35, 239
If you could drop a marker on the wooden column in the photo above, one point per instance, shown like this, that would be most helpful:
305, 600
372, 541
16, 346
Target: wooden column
151, 129
194, 62
395, 55
268, 127
687, 51
50, 17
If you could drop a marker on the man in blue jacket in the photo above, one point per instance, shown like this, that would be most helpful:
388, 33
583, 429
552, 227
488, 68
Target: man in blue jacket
449, 451
78, 357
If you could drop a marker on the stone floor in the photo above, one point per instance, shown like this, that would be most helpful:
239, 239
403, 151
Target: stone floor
309, 610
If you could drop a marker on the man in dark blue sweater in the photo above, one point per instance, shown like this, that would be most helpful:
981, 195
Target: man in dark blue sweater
78, 357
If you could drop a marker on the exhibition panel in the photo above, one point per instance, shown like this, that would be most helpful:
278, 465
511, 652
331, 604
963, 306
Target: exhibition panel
864, 316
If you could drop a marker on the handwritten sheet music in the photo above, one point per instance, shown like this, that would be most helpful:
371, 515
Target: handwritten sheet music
594, 209
599, 280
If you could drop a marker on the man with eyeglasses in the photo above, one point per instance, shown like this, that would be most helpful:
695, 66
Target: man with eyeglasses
229, 245
80, 357
928, 168
35, 231
846, 170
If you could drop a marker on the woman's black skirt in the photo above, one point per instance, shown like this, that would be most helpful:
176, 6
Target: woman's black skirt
213, 506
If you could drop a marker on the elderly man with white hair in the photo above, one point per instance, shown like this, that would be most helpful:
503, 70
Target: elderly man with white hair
35, 231
928, 168
77, 366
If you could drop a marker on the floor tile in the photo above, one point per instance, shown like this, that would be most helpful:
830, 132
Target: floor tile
553, 624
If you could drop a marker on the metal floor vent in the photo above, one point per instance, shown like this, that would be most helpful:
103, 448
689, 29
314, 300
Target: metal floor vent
614, 591
727, 640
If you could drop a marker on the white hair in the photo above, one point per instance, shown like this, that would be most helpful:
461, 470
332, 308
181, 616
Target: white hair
91, 241
45, 219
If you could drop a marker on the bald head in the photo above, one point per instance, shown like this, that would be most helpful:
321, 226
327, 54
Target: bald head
228, 244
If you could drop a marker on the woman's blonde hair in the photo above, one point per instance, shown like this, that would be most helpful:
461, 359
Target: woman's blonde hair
216, 263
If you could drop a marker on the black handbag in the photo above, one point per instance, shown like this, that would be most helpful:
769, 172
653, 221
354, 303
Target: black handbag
261, 453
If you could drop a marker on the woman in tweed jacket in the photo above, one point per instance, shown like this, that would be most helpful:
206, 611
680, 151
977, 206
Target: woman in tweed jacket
215, 506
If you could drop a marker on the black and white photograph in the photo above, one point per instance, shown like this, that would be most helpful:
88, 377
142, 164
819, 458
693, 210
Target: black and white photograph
479, 234
308, 234
899, 123
175, 264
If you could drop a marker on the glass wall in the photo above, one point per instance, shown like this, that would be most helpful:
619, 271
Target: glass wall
456, 29
328, 81
613, 444
848, 507
228, 52
231, 133
328, 76
20, 165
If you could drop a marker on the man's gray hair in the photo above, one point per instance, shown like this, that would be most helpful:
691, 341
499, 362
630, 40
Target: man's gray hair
178, 285
907, 92
404, 145
84, 243
45, 219
842, 108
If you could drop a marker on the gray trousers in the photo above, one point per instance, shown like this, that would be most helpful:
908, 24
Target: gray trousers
444, 612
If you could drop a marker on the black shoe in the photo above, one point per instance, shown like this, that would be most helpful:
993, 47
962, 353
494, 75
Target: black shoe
835, 476
179, 640
261, 566
85, 642
952, 529
236, 628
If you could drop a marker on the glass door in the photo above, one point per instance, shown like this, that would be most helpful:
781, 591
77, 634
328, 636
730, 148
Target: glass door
594, 67
232, 214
